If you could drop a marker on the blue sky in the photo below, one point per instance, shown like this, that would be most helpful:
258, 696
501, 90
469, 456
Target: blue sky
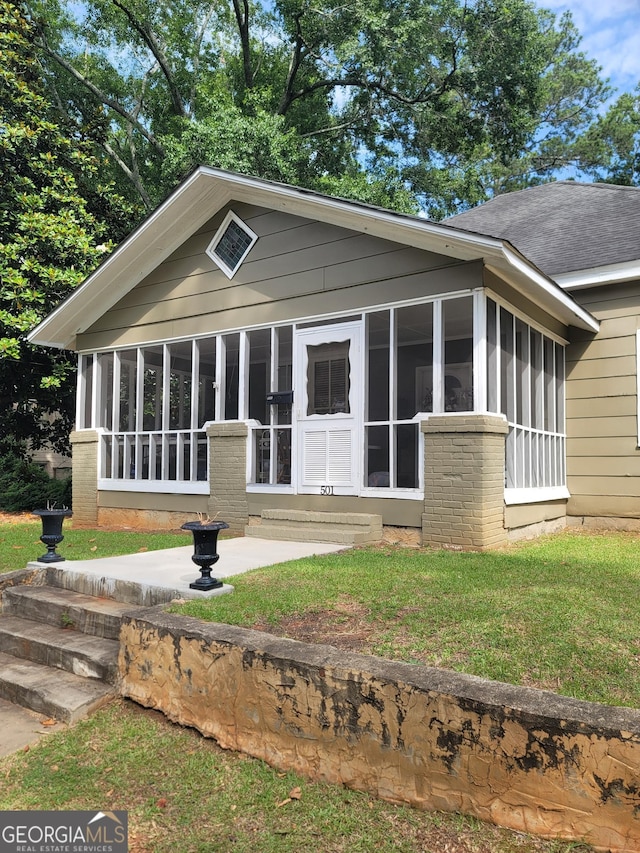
611, 35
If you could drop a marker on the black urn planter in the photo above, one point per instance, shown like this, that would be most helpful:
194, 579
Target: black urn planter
205, 551
52, 532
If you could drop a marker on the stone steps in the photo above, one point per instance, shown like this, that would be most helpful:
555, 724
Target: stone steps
65, 608
348, 528
52, 692
62, 648
59, 649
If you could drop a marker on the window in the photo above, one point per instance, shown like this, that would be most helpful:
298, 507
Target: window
528, 369
231, 244
151, 405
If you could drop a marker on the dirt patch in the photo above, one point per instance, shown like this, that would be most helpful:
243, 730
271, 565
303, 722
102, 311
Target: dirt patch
17, 518
346, 626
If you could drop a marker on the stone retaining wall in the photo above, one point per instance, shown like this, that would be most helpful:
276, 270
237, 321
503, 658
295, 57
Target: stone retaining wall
521, 758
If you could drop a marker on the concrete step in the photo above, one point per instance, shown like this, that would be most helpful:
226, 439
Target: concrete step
52, 692
303, 534
62, 648
347, 528
64, 608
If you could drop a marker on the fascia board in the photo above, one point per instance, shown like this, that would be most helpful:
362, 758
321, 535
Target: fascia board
597, 276
543, 291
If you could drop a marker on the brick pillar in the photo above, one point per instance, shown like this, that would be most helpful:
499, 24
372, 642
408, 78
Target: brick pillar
464, 459
228, 474
84, 485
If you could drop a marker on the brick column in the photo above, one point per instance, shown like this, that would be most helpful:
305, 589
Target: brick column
84, 485
464, 459
228, 474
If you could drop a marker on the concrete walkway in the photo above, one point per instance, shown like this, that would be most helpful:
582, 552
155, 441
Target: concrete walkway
169, 570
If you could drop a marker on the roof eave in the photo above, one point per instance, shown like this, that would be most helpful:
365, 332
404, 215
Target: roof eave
599, 276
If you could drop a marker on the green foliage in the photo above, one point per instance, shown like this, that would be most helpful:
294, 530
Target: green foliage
440, 102
56, 220
25, 486
610, 151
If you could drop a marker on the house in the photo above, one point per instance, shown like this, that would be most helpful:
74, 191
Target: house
254, 347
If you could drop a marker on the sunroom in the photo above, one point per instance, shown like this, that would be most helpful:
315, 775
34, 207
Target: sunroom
338, 358
334, 406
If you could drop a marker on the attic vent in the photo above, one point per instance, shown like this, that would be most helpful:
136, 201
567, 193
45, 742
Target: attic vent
231, 244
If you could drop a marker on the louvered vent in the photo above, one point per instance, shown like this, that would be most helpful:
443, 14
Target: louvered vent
327, 457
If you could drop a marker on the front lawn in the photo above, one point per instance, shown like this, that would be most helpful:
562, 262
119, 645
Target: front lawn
559, 613
20, 543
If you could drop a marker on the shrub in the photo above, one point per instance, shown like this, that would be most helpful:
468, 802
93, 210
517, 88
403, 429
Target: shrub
26, 486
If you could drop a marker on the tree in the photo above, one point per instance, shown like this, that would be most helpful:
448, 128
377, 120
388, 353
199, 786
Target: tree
610, 150
436, 102
55, 224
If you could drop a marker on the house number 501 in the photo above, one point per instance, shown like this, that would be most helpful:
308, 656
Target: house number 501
326, 490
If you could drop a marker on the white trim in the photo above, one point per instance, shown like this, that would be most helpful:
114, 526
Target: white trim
529, 496
169, 487
592, 277
521, 315
479, 356
317, 320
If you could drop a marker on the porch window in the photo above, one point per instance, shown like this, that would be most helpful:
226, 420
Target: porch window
419, 360
271, 440
151, 404
525, 372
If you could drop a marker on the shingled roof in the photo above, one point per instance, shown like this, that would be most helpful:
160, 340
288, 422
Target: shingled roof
563, 226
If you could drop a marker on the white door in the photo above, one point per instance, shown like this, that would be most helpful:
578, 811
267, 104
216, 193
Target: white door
327, 407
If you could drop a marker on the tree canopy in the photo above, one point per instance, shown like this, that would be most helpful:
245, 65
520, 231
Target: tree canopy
56, 220
409, 103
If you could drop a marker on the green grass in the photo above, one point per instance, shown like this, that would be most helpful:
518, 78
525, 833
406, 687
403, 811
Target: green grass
558, 613
185, 794
20, 543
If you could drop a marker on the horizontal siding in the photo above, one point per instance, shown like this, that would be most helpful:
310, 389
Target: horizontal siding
602, 407
594, 389
609, 486
597, 446
604, 427
616, 506
598, 368
210, 320
294, 259
603, 462
624, 465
